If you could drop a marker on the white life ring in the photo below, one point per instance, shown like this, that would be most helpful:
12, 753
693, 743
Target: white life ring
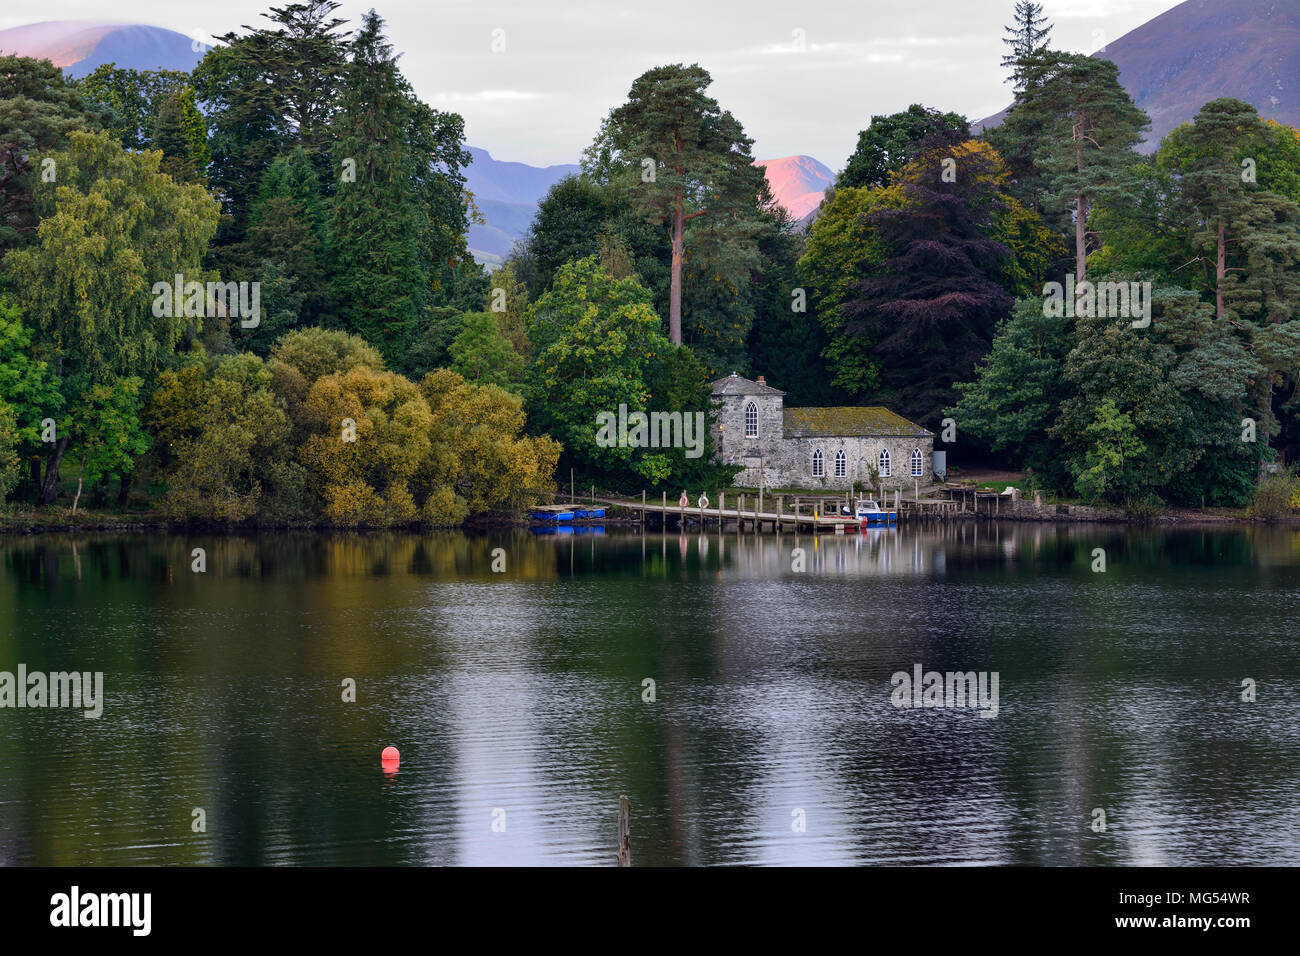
683, 501
703, 502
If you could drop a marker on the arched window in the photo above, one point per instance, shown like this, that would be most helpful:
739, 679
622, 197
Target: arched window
751, 420
819, 466
918, 463
886, 469
841, 464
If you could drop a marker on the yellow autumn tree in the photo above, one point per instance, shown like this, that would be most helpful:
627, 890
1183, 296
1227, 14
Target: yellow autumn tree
369, 433
479, 459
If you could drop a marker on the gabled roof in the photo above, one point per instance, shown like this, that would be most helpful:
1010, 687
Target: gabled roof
735, 384
848, 422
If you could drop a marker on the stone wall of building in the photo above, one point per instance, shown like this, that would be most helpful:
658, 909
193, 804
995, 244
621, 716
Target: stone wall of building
788, 462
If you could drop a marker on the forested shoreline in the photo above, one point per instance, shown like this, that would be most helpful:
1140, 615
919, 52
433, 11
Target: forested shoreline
242, 296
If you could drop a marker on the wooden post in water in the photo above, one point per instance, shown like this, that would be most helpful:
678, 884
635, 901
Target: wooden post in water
756, 504
571, 498
780, 512
624, 831
642, 510
663, 515
722, 504
740, 515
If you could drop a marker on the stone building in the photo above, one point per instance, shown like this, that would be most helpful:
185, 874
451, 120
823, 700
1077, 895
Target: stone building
831, 448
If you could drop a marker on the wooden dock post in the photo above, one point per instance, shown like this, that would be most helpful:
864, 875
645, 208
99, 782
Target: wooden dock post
642, 510
624, 831
756, 504
780, 513
663, 515
740, 515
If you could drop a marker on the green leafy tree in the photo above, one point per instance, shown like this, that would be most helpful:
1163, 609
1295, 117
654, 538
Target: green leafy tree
28, 389
1105, 474
266, 91
483, 356
595, 338
701, 162
842, 248
380, 285
1017, 389
224, 437
569, 221
38, 110
180, 132
113, 226
390, 249
105, 426
510, 306
890, 142
10, 463
1087, 153
134, 99
1027, 38
786, 339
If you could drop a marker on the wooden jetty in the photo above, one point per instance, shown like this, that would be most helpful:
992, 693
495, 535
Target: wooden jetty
758, 513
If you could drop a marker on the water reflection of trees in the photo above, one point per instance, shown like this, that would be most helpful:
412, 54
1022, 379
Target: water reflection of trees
230, 680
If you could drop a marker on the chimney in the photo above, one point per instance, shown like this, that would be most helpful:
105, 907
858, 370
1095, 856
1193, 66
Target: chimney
761, 380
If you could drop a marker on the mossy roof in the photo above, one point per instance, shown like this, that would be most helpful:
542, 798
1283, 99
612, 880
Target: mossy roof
848, 422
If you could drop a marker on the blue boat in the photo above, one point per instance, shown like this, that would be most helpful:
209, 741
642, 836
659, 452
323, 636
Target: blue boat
552, 513
869, 513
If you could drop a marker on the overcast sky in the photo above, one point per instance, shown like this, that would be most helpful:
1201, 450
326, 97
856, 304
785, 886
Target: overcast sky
803, 77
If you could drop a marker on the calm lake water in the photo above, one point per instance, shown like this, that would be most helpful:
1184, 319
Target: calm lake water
516, 698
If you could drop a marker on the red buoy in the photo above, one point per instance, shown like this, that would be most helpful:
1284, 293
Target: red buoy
390, 758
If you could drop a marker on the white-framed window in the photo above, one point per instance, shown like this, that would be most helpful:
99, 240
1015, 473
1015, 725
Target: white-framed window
886, 466
818, 464
841, 464
918, 463
751, 420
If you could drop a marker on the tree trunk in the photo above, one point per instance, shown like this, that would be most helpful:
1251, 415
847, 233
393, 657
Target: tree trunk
35, 474
1080, 238
50, 487
81, 475
124, 482
675, 289
1080, 208
1220, 271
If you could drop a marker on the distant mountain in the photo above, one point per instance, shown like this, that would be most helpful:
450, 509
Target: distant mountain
79, 46
508, 195
798, 182
1203, 50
